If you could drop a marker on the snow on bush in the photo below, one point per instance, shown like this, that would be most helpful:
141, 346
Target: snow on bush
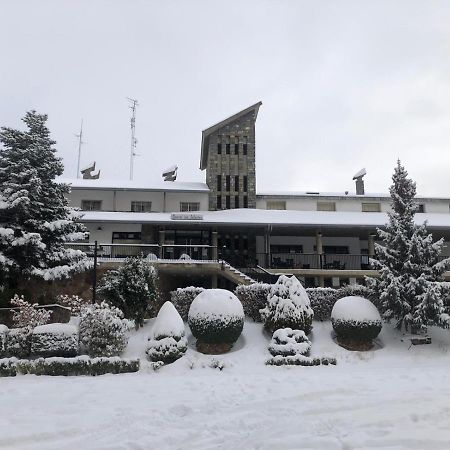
132, 288
289, 342
356, 318
182, 299
81, 365
216, 316
287, 306
55, 339
322, 301
28, 315
185, 257
168, 341
253, 298
103, 330
3, 336
18, 342
74, 302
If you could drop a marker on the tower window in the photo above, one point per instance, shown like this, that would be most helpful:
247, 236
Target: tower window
228, 183
244, 148
236, 149
236, 201
219, 182
219, 202
227, 149
219, 148
245, 183
245, 202
236, 183
227, 202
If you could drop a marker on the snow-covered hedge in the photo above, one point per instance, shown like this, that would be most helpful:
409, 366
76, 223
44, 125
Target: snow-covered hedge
168, 341
3, 336
18, 342
55, 339
182, 299
253, 298
216, 316
289, 342
287, 306
103, 330
81, 365
300, 360
323, 299
356, 318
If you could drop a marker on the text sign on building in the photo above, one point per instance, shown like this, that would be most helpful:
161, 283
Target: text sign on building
186, 216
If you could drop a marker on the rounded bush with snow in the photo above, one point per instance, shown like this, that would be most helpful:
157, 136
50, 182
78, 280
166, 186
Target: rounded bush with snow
55, 339
216, 316
168, 341
356, 318
289, 342
287, 306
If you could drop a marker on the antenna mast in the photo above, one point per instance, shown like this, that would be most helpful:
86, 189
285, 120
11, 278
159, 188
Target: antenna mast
134, 103
80, 143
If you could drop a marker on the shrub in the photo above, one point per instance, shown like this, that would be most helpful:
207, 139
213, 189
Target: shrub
182, 299
288, 342
216, 316
356, 318
103, 331
28, 315
253, 298
322, 301
74, 302
287, 306
3, 336
167, 342
81, 365
132, 288
56, 339
18, 342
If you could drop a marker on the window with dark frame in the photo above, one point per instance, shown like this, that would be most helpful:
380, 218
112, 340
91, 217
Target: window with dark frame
245, 183
189, 206
91, 205
219, 182
420, 208
245, 202
219, 202
236, 149
227, 202
141, 206
244, 149
227, 183
227, 149
236, 201
236, 183
219, 148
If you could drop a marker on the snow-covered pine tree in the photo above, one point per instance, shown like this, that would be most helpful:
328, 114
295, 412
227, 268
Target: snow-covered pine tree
409, 286
35, 219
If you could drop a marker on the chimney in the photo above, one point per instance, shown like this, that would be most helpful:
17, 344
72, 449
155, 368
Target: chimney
359, 181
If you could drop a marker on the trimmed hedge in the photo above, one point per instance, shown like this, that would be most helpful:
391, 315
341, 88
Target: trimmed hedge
55, 340
81, 365
18, 342
300, 360
253, 298
3, 335
225, 330
182, 299
357, 330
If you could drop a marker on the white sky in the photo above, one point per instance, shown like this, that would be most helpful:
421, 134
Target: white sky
344, 84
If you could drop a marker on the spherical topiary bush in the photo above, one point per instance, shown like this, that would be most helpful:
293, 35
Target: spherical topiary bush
355, 319
287, 306
216, 316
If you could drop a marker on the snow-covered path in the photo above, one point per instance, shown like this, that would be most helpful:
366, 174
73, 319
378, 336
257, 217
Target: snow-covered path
389, 398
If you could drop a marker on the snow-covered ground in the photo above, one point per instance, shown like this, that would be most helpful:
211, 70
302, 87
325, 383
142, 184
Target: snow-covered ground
392, 397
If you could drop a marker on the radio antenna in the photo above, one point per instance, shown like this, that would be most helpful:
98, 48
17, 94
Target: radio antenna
133, 105
80, 143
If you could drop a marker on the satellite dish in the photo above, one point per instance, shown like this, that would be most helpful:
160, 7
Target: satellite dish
360, 174
170, 174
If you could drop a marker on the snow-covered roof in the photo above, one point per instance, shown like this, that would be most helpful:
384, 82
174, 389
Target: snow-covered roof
158, 185
264, 217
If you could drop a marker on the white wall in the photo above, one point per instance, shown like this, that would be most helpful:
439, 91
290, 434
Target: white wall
104, 235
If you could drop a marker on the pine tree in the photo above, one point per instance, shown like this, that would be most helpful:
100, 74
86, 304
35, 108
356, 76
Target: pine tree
35, 219
410, 283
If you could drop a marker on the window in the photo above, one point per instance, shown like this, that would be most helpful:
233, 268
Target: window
326, 206
219, 202
276, 204
189, 206
236, 149
371, 207
139, 206
227, 183
219, 182
91, 205
227, 149
236, 201
244, 148
245, 183
286, 248
245, 202
125, 236
420, 208
335, 249
236, 183
219, 148
227, 202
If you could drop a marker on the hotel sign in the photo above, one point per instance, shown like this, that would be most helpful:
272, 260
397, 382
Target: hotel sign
186, 216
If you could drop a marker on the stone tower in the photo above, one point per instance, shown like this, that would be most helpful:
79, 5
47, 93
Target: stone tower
228, 155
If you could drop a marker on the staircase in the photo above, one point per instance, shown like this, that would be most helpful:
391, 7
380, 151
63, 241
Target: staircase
235, 275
